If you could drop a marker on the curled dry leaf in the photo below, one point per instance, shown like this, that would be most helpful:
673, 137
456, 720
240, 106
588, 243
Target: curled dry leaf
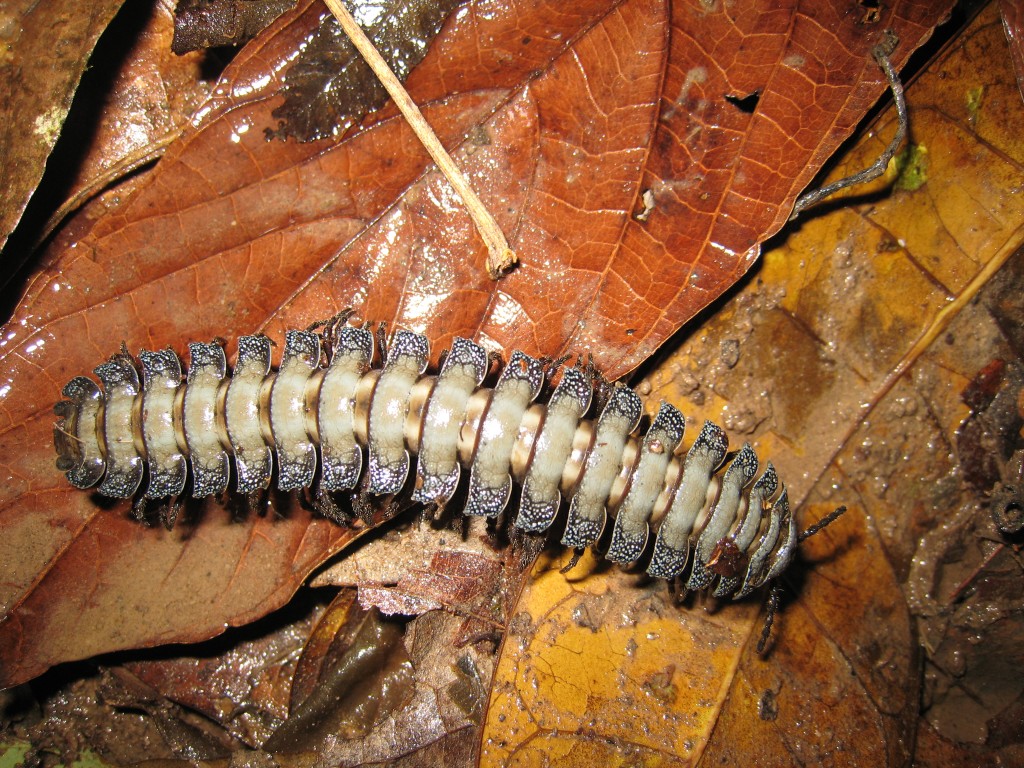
36, 98
134, 102
562, 117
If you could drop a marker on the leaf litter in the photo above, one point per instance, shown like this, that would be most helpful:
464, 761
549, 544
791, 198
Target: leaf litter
775, 688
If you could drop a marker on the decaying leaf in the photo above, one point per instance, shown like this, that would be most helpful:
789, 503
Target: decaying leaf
35, 99
964, 580
601, 664
244, 686
200, 24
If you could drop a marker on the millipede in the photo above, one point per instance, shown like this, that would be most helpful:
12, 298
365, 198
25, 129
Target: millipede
347, 411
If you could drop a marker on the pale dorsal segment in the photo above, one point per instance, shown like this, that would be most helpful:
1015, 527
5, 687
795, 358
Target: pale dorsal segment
739, 542
253, 459
693, 493
629, 536
76, 433
211, 467
437, 467
388, 465
340, 454
587, 512
551, 448
490, 483
124, 465
757, 567
161, 379
739, 474
296, 453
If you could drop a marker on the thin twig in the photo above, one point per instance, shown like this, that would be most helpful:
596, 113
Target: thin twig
500, 258
881, 53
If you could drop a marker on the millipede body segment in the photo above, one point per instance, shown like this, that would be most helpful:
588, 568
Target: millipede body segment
330, 418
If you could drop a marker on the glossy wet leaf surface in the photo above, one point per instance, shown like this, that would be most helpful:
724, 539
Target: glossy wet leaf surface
329, 88
789, 362
200, 24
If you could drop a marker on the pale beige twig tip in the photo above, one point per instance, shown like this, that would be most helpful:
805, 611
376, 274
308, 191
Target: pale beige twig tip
500, 257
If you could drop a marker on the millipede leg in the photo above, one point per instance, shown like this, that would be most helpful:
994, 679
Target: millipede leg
139, 509
254, 503
382, 340
326, 506
577, 553
772, 608
362, 506
525, 548
169, 512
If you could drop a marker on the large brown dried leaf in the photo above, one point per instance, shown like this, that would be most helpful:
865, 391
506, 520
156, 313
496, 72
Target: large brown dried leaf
569, 112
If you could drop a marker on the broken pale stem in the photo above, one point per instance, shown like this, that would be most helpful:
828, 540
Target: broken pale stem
500, 257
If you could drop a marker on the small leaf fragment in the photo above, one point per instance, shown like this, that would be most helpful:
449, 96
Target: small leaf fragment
911, 168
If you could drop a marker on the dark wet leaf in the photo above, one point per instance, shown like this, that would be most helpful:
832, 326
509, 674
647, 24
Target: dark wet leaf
329, 88
368, 690
988, 437
241, 682
200, 24
354, 674
189, 736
